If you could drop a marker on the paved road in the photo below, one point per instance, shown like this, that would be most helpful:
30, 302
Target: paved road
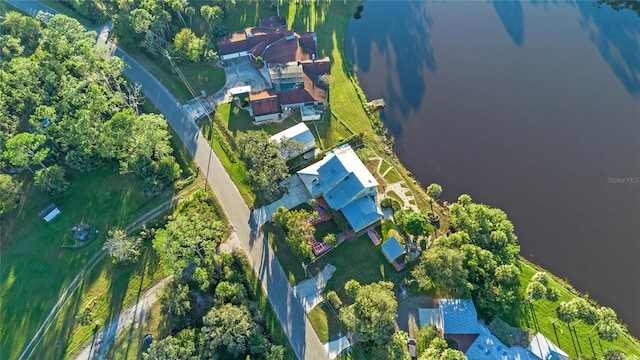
303, 339
103, 339
289, 310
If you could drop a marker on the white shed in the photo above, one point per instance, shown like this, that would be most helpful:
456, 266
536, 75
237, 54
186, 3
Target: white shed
299, 133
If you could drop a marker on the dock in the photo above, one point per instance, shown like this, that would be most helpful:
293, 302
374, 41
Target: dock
377, 104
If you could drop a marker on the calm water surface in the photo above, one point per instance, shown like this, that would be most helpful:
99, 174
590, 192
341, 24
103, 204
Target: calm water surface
530, 107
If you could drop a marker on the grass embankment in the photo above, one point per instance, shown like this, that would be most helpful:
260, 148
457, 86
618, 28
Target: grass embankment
543, 317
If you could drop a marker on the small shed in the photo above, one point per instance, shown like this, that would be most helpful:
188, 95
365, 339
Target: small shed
49, 213
392, 249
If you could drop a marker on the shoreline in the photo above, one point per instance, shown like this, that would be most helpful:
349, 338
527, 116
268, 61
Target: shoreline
418, 188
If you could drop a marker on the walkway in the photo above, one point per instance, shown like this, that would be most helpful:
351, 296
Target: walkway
400, 187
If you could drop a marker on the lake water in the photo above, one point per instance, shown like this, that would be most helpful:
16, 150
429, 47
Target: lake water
530, 107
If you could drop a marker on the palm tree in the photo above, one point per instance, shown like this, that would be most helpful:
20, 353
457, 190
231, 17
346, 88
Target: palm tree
434, 190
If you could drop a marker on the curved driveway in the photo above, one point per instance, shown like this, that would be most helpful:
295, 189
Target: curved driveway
303, 339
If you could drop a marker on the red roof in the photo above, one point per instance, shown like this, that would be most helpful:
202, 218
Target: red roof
264, 102
247, 39
314, 89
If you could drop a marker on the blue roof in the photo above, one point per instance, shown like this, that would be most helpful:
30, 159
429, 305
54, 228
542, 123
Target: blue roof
488, 347
340, 177
544, 349
459, 316
361, 213
392, 249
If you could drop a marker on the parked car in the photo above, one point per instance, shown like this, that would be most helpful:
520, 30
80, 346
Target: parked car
412, 348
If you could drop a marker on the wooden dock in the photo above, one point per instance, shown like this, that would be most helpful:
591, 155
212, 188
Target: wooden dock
377, 104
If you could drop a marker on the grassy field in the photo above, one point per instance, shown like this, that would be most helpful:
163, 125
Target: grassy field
544, 311
36, 268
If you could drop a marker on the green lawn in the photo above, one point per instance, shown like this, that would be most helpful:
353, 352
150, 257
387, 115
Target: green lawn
392, 176
36, 268
200, 76
239, 120
325, 323
236, 169
545, 315
357, 259
290, 262
384, 166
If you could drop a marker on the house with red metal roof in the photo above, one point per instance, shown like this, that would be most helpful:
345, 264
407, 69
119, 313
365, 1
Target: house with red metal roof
299, 79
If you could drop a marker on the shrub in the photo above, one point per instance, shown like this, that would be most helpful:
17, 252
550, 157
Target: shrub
334, 299
392, 203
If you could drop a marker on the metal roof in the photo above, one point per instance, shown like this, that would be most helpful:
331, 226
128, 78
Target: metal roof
459, 316
361, 213
392, 249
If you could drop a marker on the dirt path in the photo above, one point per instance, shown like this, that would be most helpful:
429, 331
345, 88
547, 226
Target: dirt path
66, 295
136, 312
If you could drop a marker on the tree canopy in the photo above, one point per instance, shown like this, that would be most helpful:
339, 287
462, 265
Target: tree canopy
265, 163
64, 105
372, 313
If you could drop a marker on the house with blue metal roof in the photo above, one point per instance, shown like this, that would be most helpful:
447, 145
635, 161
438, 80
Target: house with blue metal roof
346, 185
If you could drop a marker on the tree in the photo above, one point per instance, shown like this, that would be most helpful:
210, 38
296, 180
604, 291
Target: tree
413, 223
190, 12
51, 180
608, 328
613, 354
330, 239
299, 230
424, 337
26, 150
229, 292
85, 317
189, 237
188, 46
443, 268
175, 301
265, 163
566, 312
373, 312
230, 326
122, 247
433, 191
211, 14
180, 347
507, 274
452, 354
536, 291
10, 194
